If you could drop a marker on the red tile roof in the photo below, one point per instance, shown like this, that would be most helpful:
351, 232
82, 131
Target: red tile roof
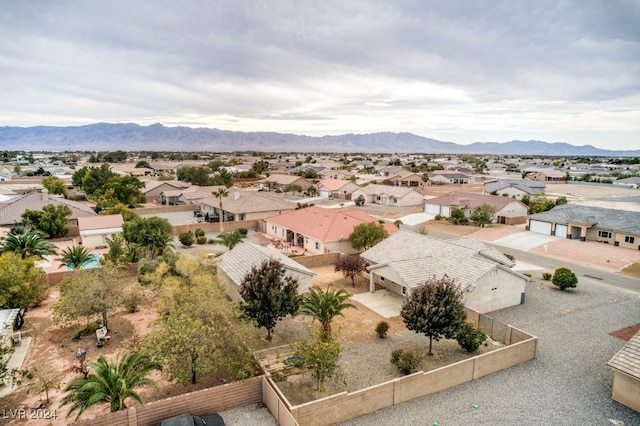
325, 224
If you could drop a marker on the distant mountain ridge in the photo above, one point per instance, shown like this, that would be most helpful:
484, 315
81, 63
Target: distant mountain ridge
156, 137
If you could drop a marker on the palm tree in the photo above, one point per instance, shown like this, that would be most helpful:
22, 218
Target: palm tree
325, 305
27, 242
231, 239
220, 194
75, 257
113, 382
158, 242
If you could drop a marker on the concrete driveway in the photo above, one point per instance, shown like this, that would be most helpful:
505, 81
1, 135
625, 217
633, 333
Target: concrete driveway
526, 240
385, 303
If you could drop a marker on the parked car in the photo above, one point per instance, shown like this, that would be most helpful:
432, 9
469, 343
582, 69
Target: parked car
214, 419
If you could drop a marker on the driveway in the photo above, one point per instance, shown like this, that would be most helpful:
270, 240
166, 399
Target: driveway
385, 303
526, 240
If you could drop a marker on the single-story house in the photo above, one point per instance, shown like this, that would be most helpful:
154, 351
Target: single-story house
153, 189
406, 260
617, 227
407, 179
630, 182
449, 176
507, 210
547, 175
336, 188
278, 182
319, 230
626, 374
240, 205
190, 195
12, 209
515, 189
234, 265
94, 230
389, 195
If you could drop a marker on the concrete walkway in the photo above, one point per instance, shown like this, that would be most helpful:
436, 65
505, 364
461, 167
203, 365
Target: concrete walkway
17, 358
385, 303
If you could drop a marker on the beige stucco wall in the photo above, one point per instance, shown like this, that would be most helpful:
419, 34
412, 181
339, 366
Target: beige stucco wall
626, 390
493, 292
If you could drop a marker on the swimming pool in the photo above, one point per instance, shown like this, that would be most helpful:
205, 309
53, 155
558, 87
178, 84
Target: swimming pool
94, 262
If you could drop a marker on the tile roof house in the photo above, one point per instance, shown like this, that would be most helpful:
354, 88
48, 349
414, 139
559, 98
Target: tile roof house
190, 195
449, 176
573, 221
95, 230
277, 182
405, 260
234, 265
389, 195
242, 205
626, 370
407, 179
340, 189
515, 189
11, 210
507, 211
319, 230
153, 189
547, 175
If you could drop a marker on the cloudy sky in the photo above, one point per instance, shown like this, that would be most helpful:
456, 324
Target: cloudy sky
459, 71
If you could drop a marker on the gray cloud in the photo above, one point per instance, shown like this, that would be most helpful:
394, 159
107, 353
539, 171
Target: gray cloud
325, 67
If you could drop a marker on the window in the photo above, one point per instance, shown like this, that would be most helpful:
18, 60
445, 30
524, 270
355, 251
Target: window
628, 239
404, 290
317, 246
604, 234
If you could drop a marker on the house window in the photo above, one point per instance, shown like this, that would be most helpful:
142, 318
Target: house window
395, 200
381, 278
604, 234
317, 246
628, 239
241, 216
404, 290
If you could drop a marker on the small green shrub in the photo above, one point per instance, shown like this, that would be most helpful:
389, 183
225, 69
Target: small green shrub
510, 257
186, 238
199, 232
211, 241
382, 328
469, 337
132, 302
243, 231
564, 278
438, 217
201, 240
546, 276
407, 361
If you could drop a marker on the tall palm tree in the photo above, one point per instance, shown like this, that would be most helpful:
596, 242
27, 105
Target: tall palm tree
27, 242
75, 257
325, 305
158, 242
112, 382
220, 194
230, 239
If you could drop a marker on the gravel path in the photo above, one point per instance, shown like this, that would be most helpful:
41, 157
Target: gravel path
568, 384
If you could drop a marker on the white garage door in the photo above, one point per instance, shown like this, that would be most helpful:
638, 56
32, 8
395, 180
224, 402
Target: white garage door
432, 208
561, 231
325, 194
446, 211
540, 227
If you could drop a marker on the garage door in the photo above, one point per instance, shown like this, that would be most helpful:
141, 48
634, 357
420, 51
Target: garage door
324, 194
446, 211
540, 227
432, 208
561, 231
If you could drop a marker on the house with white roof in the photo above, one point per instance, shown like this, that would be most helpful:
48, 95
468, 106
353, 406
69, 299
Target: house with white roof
234, 265
389, 195
406, 260
95, 230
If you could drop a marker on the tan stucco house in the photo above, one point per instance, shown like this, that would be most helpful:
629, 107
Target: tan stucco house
95, 230
626, 370
507, 211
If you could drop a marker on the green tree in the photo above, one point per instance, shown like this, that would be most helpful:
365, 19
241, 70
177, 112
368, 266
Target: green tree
126, 189
22, 284
89, 293
143, 164
324, 306
75, 257
220, 194
153, 233
27, 242
351, 266
435, 309
367, 235
564, 278
120, 253
483, 214
96, 178
526, 199
54, 185
469, 337
113, 382
457, 217
126, 212
186, 238
321, 357
231, 239
268, 295
359, 201
52, 219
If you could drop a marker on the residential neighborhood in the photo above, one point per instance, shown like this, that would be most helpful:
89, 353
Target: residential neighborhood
378, 227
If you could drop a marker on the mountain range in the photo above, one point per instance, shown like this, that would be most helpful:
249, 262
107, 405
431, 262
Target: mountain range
157, 137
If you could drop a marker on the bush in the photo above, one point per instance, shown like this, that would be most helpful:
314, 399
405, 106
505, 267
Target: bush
406, 361
510, 257
438, 217
201, 239
243, 231
564, 278
88, 330
469, 337
382, 328
546, 276
186, 238
199, 232
527, 274
132, 302
211, 241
